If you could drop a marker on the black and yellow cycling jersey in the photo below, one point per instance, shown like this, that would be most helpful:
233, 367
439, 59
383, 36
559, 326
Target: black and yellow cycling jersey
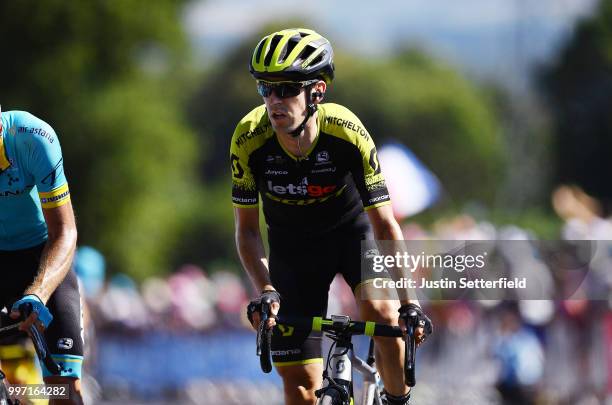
329, 187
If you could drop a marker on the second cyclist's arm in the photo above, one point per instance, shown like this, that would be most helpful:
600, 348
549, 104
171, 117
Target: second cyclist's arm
57, 255
44, 163
250, 247
385, 227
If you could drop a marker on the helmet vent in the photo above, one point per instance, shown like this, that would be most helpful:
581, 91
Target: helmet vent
290, 46
317, 60
306, 53
258, 52
275, 40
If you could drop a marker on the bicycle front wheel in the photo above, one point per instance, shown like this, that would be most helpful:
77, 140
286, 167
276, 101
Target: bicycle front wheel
331, 397
328, 400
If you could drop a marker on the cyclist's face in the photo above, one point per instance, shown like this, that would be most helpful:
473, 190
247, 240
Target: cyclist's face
286, 113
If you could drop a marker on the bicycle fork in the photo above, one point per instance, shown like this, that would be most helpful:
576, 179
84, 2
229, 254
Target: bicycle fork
338, 388
338, 385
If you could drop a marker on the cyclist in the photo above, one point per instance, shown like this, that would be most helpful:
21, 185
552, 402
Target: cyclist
316, 170
37, 242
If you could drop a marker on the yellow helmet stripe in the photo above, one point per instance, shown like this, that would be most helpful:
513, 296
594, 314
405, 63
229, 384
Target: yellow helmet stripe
296, 51
259, 65
254, 61
274, 66
296, 31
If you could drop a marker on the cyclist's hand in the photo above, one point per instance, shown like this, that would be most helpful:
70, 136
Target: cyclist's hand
419, 333
410, 313
268, 299
39, 316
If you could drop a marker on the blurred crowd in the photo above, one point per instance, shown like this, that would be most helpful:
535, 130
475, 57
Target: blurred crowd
187, 300
544, 351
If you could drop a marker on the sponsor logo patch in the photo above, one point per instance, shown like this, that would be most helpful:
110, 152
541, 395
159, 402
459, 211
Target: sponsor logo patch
276, 172
285, 352
323, 156
65, 343
302, 189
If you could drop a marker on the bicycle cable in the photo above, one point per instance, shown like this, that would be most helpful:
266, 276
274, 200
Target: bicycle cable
331, 356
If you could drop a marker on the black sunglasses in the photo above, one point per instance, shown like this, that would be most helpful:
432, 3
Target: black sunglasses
282, 89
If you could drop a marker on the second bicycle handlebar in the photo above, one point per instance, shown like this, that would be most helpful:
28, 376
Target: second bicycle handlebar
40, 345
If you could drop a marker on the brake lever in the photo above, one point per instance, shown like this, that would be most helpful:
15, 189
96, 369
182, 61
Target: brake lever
264, 339
410, 350
262, 327
40, 345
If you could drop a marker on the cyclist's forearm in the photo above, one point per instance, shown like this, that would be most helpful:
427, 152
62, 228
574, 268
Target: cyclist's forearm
390, 230
55, 263
253, 258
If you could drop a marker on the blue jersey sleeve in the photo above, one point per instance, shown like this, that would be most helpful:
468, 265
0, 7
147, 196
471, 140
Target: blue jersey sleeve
45, 162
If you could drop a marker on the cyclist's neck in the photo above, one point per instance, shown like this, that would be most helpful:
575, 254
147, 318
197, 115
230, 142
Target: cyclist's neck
299, 146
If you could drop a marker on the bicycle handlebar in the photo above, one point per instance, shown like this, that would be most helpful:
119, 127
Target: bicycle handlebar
341, 325
40, 345
319, 324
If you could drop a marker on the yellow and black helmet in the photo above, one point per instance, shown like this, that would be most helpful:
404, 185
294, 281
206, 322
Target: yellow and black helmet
294, 54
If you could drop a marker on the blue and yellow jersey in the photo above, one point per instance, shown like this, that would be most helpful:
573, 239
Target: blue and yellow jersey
31, 178
339, 177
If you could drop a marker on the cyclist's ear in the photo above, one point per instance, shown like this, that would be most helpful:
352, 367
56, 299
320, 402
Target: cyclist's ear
318, 91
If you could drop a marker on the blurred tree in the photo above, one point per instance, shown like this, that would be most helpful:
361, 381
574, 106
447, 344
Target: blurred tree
579, 89
139, 189
226, 95
412, 98
209, 236
108, 76
526, 130
57, 50
429, 107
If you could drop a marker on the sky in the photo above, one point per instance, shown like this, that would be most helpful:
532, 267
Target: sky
498, 39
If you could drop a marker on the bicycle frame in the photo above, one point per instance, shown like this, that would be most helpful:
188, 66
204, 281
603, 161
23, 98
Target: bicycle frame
341, 369
371, 394
338, 387
341, 363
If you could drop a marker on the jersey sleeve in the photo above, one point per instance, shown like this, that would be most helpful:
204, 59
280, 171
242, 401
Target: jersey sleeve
368, 175
244, 186
45, 163
339, 121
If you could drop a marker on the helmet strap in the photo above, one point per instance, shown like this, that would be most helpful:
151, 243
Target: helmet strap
311, 108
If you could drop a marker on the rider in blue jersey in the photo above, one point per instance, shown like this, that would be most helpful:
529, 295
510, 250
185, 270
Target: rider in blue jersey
37, 241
